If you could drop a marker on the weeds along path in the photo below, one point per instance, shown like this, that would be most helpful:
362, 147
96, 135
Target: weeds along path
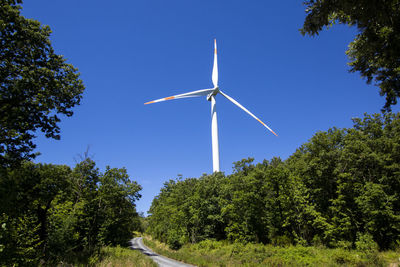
137, 244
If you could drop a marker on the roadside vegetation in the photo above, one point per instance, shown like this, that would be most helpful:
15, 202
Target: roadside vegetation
221, 253
121, 257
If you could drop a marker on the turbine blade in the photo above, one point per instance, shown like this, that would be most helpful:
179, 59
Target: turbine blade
197, 93
251, 114
215, 67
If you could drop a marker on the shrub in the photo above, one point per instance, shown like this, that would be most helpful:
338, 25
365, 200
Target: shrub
366, 243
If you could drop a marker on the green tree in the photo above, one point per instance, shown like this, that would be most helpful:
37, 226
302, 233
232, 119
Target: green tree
316, 163
160, 212
19, 239
375, 52
63, 237
98, 210
50, 213
243, 203
170, 212
86, 178
350, 178
116, 198
36, 85
369, 181
206, 220
27, 195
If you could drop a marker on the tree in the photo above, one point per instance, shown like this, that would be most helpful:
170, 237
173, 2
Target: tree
86, 182
375, 52
243, 203
370, 181
206, 220
170, 213
26, 196
35, 84
117, 197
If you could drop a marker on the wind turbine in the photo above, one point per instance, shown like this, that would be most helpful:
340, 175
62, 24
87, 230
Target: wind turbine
211, 94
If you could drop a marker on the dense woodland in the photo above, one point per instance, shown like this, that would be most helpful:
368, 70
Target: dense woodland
52, 213
340, 189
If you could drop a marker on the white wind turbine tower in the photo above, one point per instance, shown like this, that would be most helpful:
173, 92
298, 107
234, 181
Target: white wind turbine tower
211, 94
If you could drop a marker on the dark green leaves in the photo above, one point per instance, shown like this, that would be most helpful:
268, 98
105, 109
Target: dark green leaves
53, 213
375, 52
35, 84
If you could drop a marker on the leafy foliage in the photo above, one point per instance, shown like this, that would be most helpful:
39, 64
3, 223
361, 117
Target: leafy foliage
35, 84
340, 189
375, 52
121, 257
53, 213
220, 253
117, 197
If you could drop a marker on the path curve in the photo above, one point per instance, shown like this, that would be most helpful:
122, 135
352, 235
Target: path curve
137, 244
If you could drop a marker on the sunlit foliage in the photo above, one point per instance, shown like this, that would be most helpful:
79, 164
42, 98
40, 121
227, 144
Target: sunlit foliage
336, 190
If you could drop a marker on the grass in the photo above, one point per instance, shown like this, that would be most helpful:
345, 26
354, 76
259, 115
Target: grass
220, 253
108, 256
119, 256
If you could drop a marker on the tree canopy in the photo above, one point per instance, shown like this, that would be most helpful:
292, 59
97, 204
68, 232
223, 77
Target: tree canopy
375, 51
52, 213
340, 189
36, 84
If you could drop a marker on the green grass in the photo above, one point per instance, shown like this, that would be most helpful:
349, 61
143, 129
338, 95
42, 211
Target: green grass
220, 253
108, 257
118, 256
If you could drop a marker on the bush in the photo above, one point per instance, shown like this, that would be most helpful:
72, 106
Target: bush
174, 240
366, 243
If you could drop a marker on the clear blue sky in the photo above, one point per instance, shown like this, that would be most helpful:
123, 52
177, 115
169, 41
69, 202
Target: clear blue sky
131, 52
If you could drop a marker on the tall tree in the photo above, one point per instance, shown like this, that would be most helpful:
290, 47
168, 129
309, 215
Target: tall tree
26, 196
375, 52
116, 202
87, 182
36, 85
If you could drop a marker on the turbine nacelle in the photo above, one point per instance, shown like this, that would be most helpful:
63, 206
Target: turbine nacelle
213, 93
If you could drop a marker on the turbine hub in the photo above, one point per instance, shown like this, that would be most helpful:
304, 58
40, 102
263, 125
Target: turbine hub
213, 93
